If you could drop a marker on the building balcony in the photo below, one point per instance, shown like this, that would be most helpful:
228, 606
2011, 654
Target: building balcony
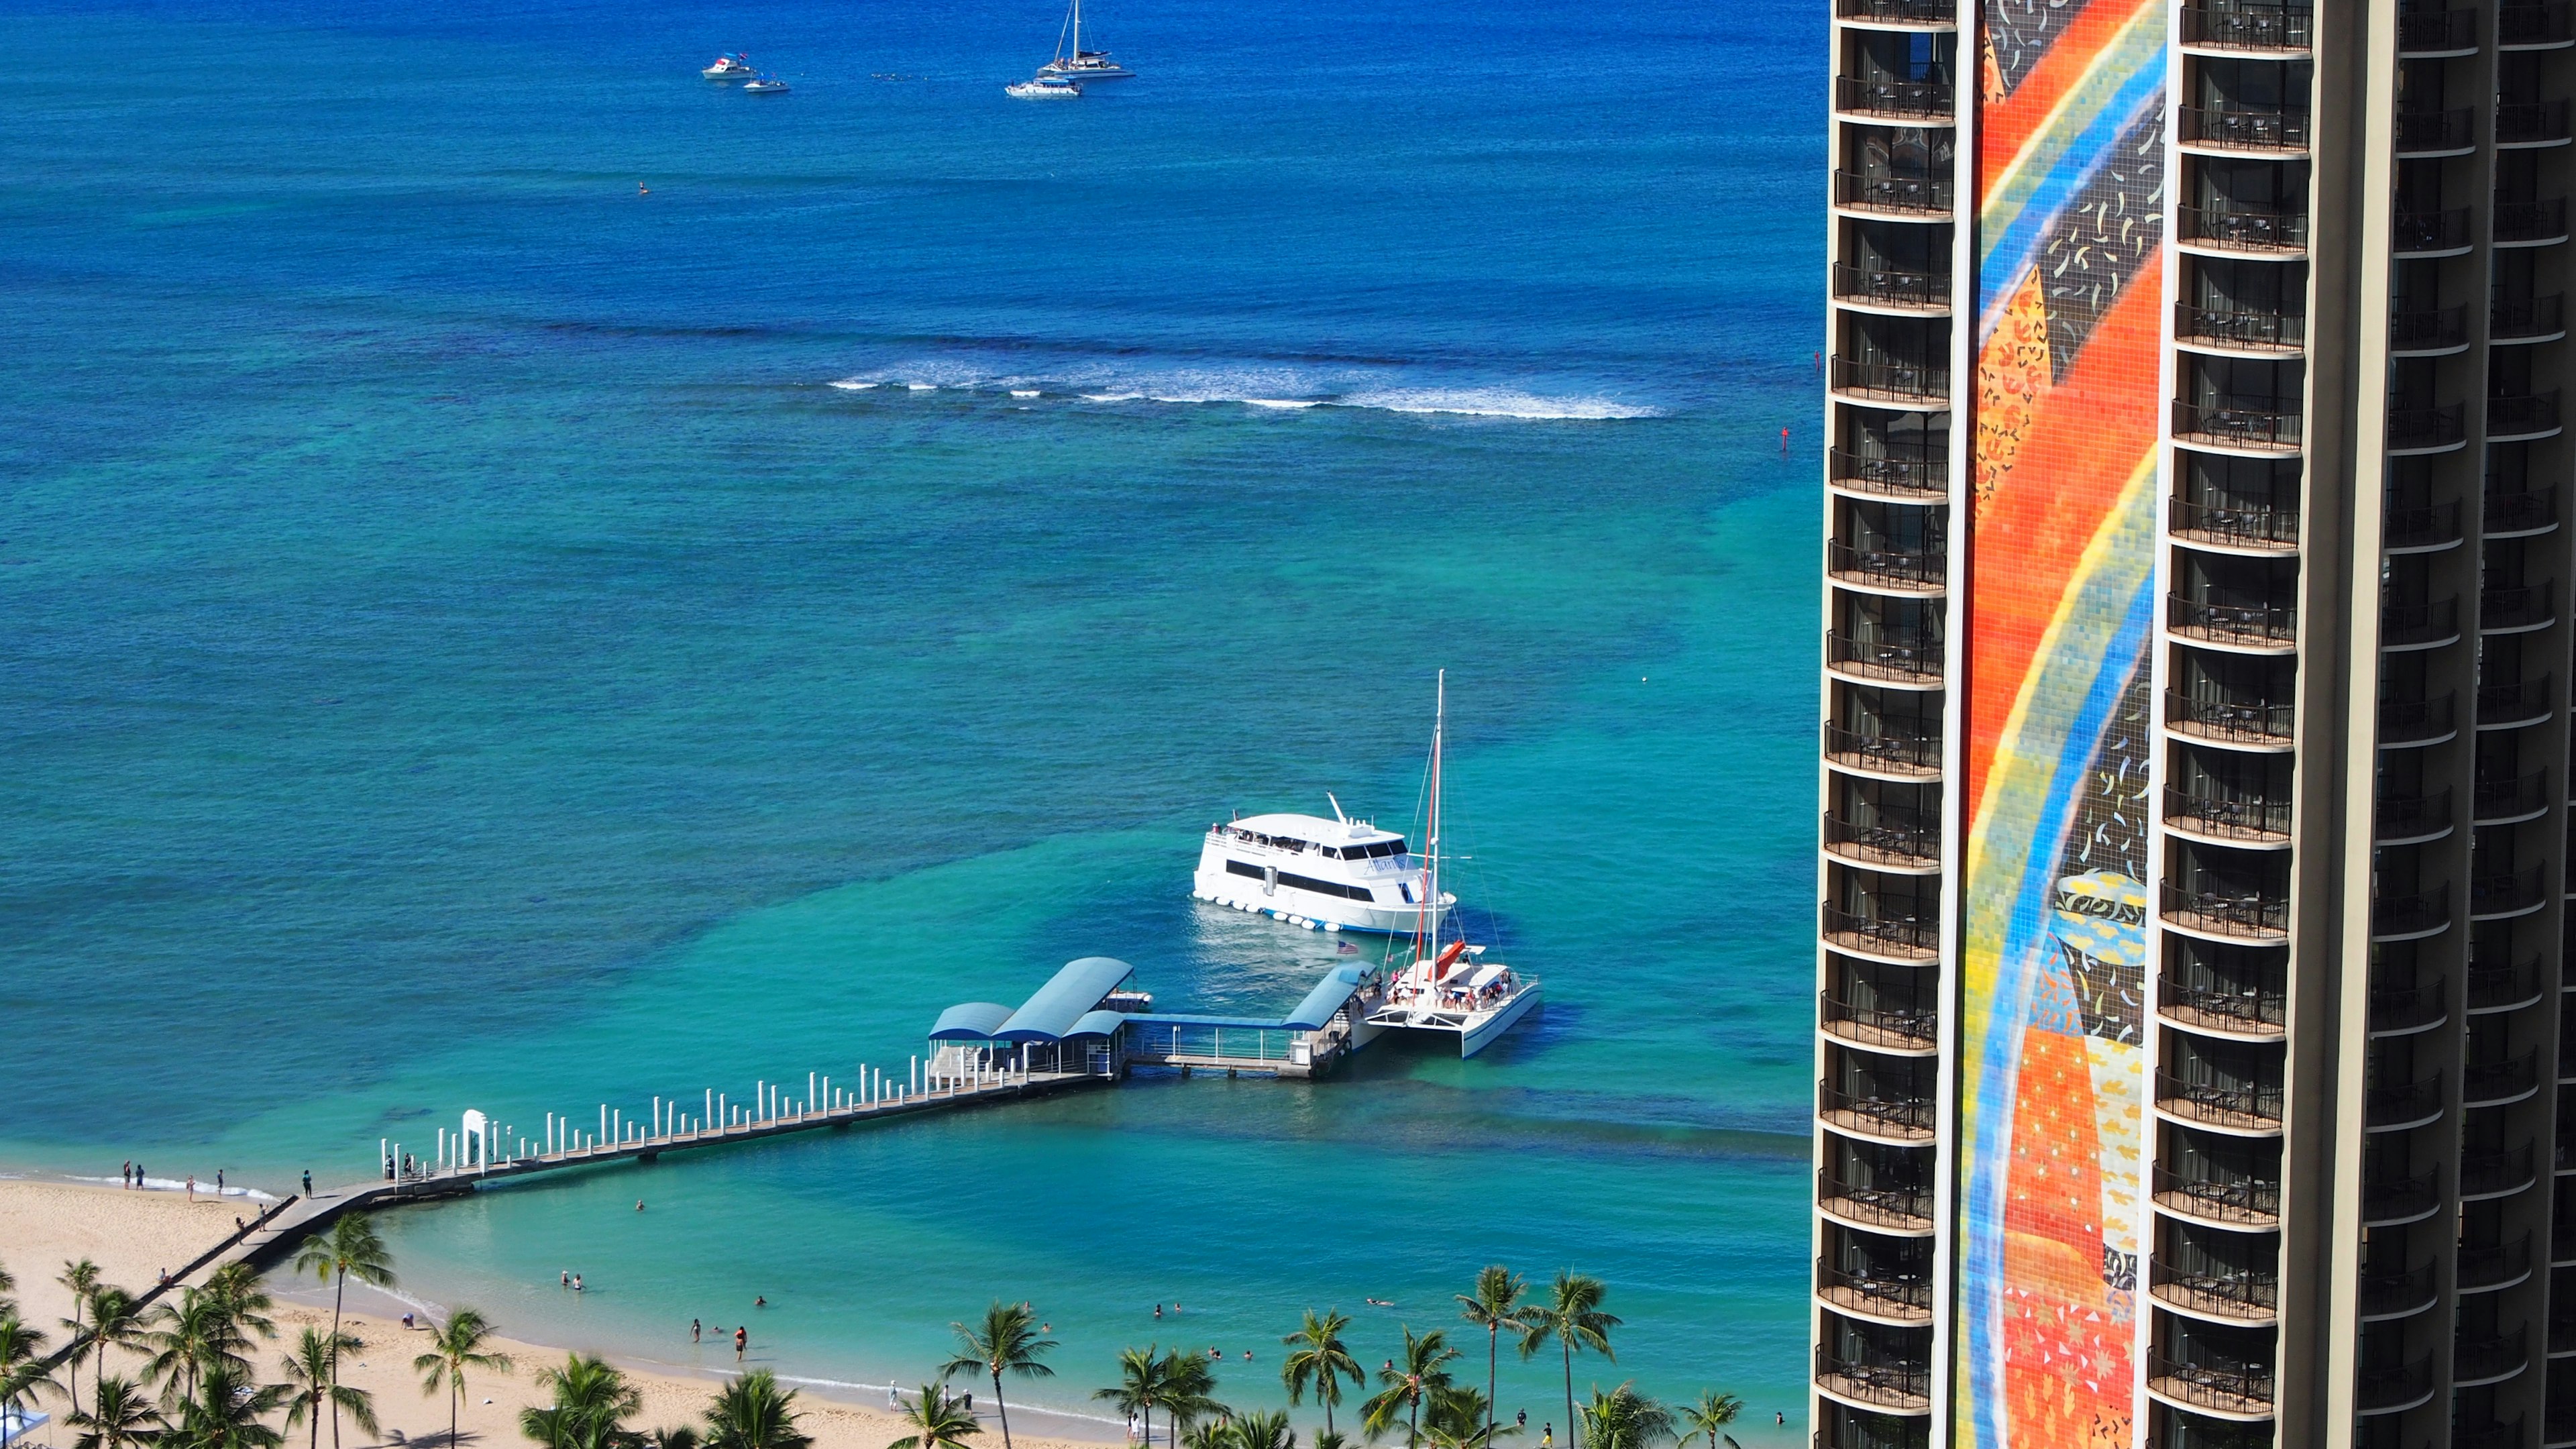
1894, 381
2246, 1297
2532, 26
1903, 659
1907, 940
2562, 1331
2263, 132
2258, 529
1893, 100
2249, 819
1892, 290
2488, 1360
2257, 28
1900, 12
2237, 1008
1882, 1119
2506, 894
2239, 427
2530, 222
1895, 756
2409, 819
2531, 123
1888, 570
1914, 197
2392, 1388
2415, 721
2270, 628
1887, 1209
2427, 430
2396, 1292
2234, 1107
2432, 133
1879, 1028
2249, 230
2513, 608
2493, 1433
2437, 32
1884, 844
2242, 1203
2511, 419
2498, 1173
2506, 802
2408, 1008
2253, 722
2509, 987
2237, 917
2429, 330
2234, 329
2400, 1200
2527, 319
2487, 1084
2401, 1105
2420, 530
2405, 917
2519, 513
2242, 1391
1899, 1299
2512, 706
2418, 626
2422, 233
1904, 1385
1912, 479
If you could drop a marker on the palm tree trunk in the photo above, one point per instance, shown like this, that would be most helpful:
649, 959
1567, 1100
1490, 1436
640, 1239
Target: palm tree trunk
1413, 1420
1493, 1348
341, 1291
314, 1439
1568, 1345
1002, 1408
452, 1387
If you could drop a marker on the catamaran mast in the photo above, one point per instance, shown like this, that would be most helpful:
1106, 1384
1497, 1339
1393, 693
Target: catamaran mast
1077, 29
1439, 723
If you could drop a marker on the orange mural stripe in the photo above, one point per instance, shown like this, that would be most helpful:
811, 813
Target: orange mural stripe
2063, 484
2004, 128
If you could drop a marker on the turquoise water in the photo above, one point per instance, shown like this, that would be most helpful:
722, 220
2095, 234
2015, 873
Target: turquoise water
464, 650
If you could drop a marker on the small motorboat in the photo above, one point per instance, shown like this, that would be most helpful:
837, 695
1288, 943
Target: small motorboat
768, 85
731, 68
1044, 88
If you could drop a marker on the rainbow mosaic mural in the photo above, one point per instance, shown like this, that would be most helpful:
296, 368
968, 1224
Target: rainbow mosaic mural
2070, 205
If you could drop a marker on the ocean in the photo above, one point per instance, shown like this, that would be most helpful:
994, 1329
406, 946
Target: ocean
534, 580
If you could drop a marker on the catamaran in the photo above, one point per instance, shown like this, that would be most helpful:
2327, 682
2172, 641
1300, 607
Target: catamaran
1076, 63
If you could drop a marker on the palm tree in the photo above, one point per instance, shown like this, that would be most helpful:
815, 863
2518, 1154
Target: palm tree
120, 1416
1144, 1382
1458, 1418
1572, 1316
307, 1371
1417, 1373
682, 1437
937, 1421
1263, 1430
21, 1371
591, 1402
1330, 1440
752, 1413
194, 1335
1192, 1392
1318, 1357
1493, 1307
242, 1302
454, 1347
1712, 1412
80, 1278
350, 1250
115, 1321
1624, 1419
230, 1410
1006, 1342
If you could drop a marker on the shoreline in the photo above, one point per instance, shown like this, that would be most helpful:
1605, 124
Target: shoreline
133, 1236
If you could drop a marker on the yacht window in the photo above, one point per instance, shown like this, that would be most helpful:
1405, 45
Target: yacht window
1236, 867
1326, 887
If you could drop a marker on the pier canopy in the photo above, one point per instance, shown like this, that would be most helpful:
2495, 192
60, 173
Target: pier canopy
1073, 993
970, 1021
1098, 1023
1325, 999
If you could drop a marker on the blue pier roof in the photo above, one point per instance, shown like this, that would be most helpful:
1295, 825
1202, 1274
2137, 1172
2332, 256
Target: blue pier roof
1098, 1023
970, 1021
1072, 994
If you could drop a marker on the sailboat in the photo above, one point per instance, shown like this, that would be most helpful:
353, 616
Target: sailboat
1448, 986
1078, 64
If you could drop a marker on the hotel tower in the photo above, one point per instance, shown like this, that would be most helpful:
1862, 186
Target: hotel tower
2194, 761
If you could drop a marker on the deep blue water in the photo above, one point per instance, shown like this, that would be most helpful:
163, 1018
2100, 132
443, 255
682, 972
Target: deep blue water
462, 649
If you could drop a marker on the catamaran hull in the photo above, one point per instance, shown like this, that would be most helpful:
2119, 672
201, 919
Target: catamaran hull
1087, 76
1474, 1040
1474, 1034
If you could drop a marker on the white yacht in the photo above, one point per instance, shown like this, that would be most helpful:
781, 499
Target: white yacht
1044, 88
1072, 62
1334, 875
730, 67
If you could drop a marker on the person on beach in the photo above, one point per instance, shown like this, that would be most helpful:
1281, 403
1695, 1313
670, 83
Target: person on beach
192, 1187
741, 1341
219, 1182
693, 1330
125, 1178
1521, 1419
893, 1399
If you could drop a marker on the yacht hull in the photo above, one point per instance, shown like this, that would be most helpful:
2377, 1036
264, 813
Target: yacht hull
1311, 909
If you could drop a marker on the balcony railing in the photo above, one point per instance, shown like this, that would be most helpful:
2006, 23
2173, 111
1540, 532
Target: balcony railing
2430, 231
2403, 624
2532, 24
2430, 526
2238, 525
2246, 1294
2500, 1356
2437, 30
2523, 702
1901, 1384
2515, 606
2248, 1007
1883, 843
2248, 27
2532, 221
2411, 915
2252, 917
1888, 568
2251, 818
2527, 316
1906, 1119
1878, 1205
2390, 1292
1891, 477
2410, 817
1899, 195
2407, 1007
2520, 512
1901, 1296
2254, 624
2394, 1386
2238, 425
1902, 657
2492, 1174
2433, 427
2226, 128
2493, 1434
1892, 380
1893, 754
2245, 1202
2516, 416
2523, 796
2422, 131
2494, 988
2229, 1388
2394, 1103
2241, 327
2244, 721
1900, 12
2494, 1264
2484, 1083
1907, 937
2220, 1104
1902, 1028
1889, 287
2428, 329
2245, 228
2397, 1200
2531, 123
1893, 99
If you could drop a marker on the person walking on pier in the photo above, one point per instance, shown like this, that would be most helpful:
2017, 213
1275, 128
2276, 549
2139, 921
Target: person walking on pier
308, 1182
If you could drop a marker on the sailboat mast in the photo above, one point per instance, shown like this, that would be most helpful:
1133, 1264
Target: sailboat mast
1439, 726
1077, 29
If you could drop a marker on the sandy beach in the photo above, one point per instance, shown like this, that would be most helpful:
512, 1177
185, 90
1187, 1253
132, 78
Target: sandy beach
134, 1236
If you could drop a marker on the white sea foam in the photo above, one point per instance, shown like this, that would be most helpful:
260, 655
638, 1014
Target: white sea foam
1024, 392
1111, 397
921, 387
1283, 402
1272, 387
1499, 403
180, 1184
852, 384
